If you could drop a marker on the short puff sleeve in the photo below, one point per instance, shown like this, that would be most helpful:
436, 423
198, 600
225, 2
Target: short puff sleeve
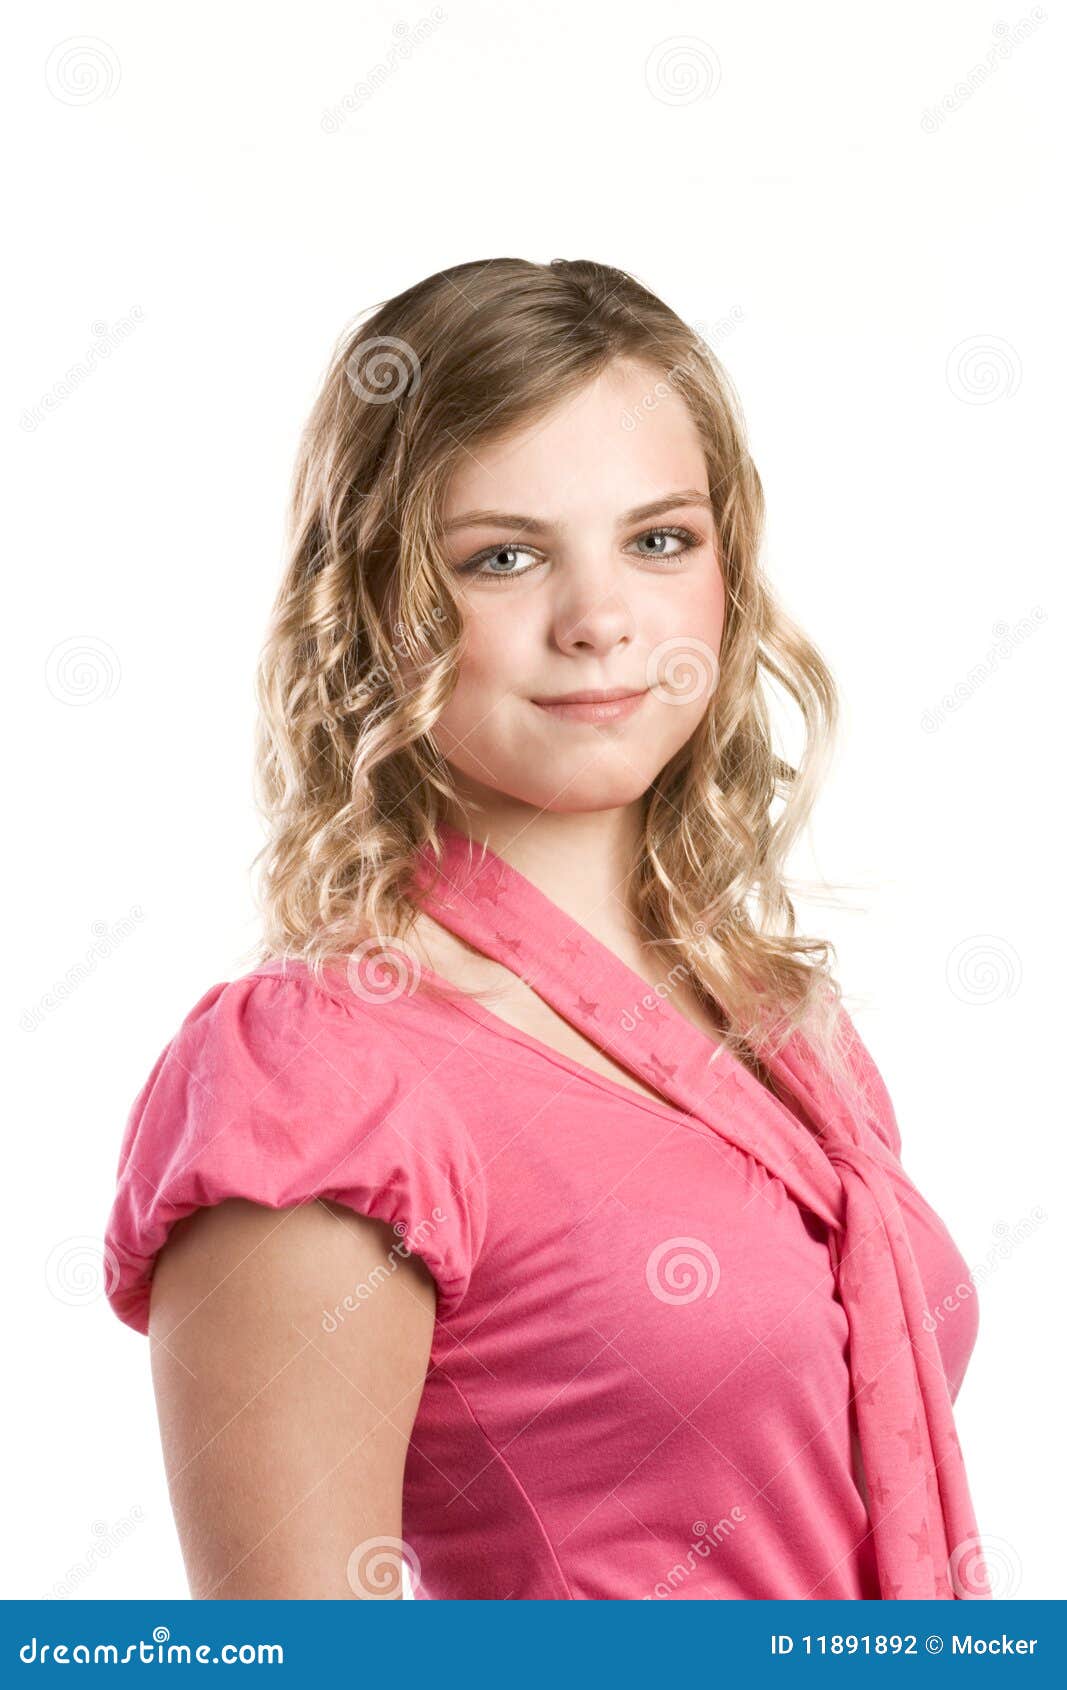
275, 1090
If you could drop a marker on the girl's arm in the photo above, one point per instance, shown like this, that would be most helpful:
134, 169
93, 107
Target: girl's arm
289, 1352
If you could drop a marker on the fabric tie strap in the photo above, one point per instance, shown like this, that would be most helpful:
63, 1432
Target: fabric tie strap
926, 1539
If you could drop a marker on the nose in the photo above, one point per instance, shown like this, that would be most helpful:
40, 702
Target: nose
591, 613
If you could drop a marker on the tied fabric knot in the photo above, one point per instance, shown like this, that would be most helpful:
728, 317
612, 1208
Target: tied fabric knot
924, 1530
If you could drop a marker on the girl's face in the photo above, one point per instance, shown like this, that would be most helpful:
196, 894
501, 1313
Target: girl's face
585, 558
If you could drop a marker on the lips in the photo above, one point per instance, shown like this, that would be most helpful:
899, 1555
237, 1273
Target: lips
591, 695
613, 704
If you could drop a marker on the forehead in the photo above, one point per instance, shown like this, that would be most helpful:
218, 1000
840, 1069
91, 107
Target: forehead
620, 441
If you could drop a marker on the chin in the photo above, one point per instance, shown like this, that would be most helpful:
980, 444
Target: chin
588, 790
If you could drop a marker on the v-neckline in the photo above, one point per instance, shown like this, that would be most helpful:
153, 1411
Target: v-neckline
477, 895
477, 1011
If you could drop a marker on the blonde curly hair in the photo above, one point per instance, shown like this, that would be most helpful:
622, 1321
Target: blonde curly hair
364, 641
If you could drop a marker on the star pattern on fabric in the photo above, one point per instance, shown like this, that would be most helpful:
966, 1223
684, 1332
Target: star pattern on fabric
718, 1076
868, 1386
588, 1008
572, 949
913, 1435
879, 1492
487, 890
921, 1539
660, 1070
512, 945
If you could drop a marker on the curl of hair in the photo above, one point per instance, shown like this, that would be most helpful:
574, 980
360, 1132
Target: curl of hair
364, 642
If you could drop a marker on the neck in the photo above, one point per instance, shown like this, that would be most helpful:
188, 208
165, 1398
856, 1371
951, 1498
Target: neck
583, 861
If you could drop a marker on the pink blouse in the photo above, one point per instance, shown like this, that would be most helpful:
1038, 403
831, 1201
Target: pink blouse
661, 1326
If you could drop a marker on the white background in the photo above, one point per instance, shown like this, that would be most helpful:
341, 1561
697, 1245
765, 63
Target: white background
202, 191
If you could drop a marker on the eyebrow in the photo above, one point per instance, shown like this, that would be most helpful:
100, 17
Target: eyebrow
534, 525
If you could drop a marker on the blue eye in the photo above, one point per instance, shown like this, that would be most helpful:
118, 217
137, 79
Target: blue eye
688, 538
476, 565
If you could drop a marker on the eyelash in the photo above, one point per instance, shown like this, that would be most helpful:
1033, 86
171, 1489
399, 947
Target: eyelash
473, 565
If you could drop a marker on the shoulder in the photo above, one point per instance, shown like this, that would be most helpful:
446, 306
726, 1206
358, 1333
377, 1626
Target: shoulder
281, 1088
298, 1038
286, 993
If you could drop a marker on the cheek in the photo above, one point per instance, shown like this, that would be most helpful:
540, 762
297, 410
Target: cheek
495, 654
493, 637
683, 639
501, 643
699, 609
